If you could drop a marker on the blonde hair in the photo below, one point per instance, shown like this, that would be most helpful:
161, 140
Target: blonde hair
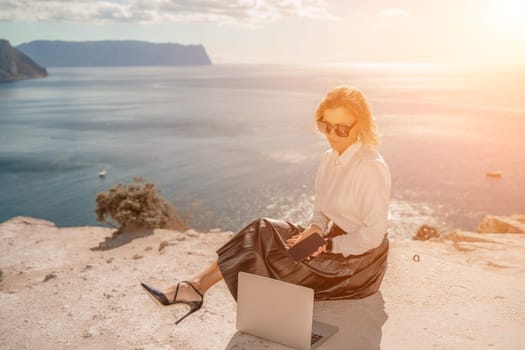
355, 102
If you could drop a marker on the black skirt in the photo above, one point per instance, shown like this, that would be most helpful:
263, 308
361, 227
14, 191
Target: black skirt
260, 248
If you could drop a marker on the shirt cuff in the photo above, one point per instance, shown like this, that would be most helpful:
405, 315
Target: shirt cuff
318, 221
329, 244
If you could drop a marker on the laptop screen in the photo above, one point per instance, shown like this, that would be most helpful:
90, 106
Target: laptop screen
275, 310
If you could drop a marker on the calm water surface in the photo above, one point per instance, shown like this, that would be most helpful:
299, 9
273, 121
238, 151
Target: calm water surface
228, 143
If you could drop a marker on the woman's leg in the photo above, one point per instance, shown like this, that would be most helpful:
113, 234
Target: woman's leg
202, 281
208, 277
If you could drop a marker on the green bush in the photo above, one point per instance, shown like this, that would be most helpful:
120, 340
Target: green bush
136, 206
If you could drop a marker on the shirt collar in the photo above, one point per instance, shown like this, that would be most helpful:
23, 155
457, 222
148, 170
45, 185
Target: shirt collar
348, 154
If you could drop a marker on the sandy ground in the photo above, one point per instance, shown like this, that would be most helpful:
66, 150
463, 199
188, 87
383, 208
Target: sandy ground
467, 293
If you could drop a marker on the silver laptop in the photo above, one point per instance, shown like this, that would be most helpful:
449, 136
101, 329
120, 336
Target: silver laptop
279, 311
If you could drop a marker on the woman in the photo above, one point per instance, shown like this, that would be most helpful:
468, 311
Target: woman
352, 194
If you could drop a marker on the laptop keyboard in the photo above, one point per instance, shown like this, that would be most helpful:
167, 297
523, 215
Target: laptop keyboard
315, 338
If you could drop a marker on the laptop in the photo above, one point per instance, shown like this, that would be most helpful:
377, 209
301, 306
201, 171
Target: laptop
279, 311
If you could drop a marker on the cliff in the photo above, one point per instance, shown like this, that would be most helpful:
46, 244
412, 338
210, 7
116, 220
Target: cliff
114, 53
59, 290
15, 65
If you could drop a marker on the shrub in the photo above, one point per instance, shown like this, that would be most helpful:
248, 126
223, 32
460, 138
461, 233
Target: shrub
136, 206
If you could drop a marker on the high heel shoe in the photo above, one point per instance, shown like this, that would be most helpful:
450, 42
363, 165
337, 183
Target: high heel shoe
161, 299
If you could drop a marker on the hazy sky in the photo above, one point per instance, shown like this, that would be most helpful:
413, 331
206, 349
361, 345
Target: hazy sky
288, 31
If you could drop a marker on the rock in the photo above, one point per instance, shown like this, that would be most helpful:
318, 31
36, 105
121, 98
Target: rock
502, 224
191, 233
464, 286
26, 220
87, 267
15, 65
162, 245
425, 232
89, 332
463, 236
103, 246
137, 256
519, 218
49, 276
112, 53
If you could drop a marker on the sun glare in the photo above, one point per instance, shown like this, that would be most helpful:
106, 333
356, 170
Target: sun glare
510, 15
500, 26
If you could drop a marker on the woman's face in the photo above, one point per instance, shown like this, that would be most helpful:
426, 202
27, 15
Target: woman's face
341, 116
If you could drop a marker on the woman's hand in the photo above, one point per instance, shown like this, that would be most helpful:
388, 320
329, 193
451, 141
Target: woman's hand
313, 229
319, 251
307, 232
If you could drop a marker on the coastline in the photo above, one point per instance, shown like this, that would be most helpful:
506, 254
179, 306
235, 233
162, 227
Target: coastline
60, 290
272, 173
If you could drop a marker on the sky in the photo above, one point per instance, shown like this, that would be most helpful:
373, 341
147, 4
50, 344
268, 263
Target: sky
288, 31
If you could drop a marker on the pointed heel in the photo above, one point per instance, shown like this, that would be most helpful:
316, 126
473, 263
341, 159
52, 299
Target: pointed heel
194, 307
160, 298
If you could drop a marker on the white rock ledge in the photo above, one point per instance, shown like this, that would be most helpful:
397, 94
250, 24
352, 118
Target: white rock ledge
463, 293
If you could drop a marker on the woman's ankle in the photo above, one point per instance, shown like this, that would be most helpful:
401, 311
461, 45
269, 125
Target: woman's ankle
197, 284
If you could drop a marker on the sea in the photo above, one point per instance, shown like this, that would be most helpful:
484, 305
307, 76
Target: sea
229, 143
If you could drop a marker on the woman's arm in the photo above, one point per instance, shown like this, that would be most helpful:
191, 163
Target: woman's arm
318, 218
373, 195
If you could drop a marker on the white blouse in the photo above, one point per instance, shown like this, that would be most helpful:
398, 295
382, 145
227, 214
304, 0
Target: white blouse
353, 191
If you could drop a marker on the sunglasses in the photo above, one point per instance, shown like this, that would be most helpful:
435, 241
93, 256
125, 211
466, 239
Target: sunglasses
340, 130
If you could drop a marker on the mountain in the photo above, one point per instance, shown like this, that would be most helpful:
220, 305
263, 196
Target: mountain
15, 65
114, 53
